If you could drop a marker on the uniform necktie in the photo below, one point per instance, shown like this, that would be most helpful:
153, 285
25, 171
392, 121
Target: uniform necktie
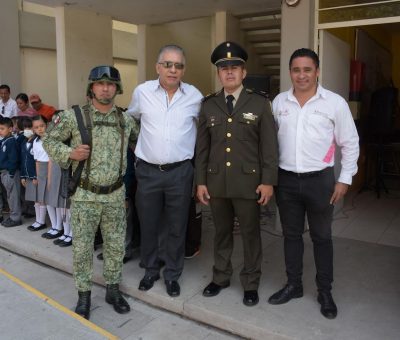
229, 103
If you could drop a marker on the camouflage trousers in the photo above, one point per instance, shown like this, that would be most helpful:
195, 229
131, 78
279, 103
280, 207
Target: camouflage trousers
85, 219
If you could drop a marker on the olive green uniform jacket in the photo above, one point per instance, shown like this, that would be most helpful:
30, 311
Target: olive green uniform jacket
236, 153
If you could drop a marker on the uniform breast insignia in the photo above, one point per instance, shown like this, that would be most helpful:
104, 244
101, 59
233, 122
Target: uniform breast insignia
250, 116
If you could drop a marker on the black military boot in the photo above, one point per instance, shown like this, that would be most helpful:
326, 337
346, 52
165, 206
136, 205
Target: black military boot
83, 305
114, 297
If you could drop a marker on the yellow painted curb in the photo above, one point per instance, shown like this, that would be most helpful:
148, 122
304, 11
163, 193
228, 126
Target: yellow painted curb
60, 307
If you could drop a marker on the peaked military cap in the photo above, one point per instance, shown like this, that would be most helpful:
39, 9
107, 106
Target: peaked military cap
228, 53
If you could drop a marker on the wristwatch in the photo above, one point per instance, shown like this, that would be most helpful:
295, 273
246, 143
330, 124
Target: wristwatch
292, 3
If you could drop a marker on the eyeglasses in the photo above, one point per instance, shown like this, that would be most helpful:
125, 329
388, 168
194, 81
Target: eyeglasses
170, 64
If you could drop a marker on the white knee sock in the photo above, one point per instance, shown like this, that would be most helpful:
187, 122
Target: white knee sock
66, 223
59, 214
53, 216
42, 214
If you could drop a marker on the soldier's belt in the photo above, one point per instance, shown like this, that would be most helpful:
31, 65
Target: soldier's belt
101, 189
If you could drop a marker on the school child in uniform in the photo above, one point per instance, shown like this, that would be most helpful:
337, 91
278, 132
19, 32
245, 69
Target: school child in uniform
9, 159
26, 164
28, 169
47, 178
41, 163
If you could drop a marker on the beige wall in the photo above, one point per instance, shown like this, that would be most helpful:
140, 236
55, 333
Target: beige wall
84, 46
10, 72
39, 74
128, 71
194, 36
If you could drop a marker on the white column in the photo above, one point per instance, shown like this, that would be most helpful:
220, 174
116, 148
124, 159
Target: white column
10, 58
84, 40
142, 53
295, 33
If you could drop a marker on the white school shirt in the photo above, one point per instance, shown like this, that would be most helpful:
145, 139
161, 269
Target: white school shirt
167, 128
39, 154
308, 135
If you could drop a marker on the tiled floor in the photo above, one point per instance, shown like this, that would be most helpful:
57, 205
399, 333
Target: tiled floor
367, 218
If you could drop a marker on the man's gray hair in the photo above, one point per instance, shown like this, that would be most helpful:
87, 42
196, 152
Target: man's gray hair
175, 48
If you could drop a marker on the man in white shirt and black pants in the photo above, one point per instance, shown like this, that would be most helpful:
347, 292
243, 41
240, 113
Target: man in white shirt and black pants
168, 110
311, 121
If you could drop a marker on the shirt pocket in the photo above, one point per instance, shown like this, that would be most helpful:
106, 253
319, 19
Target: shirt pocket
319, 125
248, 128
214, 126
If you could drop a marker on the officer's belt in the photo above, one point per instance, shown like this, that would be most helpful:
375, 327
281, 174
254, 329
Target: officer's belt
101, 189
165, 167
305, 174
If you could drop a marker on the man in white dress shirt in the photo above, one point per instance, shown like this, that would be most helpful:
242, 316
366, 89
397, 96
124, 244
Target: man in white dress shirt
8, 106
311, 122
168, 111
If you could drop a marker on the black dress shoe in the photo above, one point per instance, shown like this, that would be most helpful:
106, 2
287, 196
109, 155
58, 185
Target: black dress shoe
83, 305
250, 297
51, 236
286, 294
115, 298
328, 306
213, 289
40, 227
58, 241
173, 288
66, 243
148, 281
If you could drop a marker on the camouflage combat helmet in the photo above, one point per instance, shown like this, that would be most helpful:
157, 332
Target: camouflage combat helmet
104, 72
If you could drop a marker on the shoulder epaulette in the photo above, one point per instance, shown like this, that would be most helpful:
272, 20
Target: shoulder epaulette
211, 95
261, 93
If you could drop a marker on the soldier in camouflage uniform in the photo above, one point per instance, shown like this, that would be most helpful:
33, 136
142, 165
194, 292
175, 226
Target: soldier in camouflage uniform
100, 196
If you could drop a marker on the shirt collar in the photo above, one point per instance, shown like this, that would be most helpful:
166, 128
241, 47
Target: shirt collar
236, 94
182, 86
113, 109
321, 92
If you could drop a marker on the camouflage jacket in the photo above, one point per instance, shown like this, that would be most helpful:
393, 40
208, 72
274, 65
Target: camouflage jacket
105, 149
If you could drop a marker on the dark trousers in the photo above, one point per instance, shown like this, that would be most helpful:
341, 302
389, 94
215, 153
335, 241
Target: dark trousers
193, 232
248, 214
162, 201
132, 240
296, 197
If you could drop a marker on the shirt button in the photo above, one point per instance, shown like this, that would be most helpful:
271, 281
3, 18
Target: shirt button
212, 124
228, 149
248, 122
254, 170
228, 134
228, 163
229, 120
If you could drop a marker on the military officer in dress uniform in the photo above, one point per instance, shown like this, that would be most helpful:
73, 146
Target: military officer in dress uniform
100, 196
236, 168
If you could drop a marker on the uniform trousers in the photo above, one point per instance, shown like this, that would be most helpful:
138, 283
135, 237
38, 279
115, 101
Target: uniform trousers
248, 213
13, 188
85, 220
162, 201
298, 195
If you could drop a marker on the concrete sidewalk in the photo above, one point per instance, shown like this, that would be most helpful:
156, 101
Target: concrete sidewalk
27, 308
366, 288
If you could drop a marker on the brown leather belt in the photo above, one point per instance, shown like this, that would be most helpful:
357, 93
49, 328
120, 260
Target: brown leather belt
305, 174
165, 167
101, 189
